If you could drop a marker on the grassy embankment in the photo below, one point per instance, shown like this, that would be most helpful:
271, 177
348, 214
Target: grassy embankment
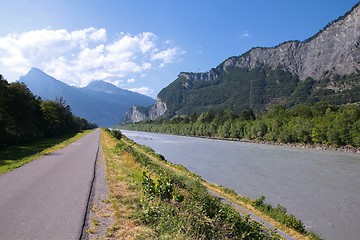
154, 199
16, 156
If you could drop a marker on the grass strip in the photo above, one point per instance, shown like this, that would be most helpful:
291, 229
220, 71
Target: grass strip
16, 156
123, 177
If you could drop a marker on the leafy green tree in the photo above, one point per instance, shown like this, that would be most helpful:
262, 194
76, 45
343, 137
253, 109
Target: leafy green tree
24, 114
247, 115
206, 117
59, 119
300, 110
258, 130
355, 133
319, 130
274, 128
224, 129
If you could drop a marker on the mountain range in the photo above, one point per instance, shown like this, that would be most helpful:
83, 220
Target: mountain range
324, 67
99, 102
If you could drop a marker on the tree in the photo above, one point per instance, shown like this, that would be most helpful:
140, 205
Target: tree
247, 115
59, 119
24, 114
206, 117
3, 109
258, 130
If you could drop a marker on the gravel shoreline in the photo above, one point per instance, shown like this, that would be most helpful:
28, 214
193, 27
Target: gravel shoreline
348, 149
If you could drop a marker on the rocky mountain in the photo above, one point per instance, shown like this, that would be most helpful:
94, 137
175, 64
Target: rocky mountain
139, 113
99, 102
325, 67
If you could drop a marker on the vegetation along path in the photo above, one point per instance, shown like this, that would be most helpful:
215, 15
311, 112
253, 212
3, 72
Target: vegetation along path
47, 198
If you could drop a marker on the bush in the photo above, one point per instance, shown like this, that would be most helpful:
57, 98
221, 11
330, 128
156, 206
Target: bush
280, 214
116, 134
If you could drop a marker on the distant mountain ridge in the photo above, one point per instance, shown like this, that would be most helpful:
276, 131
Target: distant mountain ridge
99, 102
324, 67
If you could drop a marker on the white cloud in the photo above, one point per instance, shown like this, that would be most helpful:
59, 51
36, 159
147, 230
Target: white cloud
246, 34
81, 56
131, 80
167, 56
143, 90
117, 83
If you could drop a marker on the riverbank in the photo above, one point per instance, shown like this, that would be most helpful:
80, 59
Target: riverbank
319, 126
317, 186
347, 149
182, 191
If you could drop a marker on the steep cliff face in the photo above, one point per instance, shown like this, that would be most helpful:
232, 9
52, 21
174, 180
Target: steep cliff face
135, 114
157, 110
335, 50
330, 58
202, 76
138, 114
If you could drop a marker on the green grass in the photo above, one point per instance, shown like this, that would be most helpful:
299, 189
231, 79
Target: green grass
16, 156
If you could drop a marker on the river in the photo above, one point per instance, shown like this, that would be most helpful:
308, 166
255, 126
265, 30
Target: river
322, 188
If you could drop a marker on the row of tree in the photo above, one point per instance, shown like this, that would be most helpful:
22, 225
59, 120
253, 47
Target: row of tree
320, 123
25, 117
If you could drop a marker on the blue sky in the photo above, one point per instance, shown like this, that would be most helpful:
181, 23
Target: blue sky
144, 45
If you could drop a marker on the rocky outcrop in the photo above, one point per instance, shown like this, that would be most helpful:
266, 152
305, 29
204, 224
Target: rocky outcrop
157, 110
334, 50
134, 115
139, 114
194, 77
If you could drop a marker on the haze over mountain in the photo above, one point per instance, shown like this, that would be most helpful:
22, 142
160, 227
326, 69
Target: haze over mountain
99, 102
325, 67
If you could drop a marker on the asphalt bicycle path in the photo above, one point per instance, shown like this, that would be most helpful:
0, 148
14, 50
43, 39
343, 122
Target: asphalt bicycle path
47, 198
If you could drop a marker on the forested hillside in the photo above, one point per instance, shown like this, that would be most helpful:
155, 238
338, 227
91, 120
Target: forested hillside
25, 117
238, 89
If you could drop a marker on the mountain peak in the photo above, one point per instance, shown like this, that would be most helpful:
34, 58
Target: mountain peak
34, 69
102, 86
37, 76
100, 102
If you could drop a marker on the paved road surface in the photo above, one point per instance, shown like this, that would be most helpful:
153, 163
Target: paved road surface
47, 198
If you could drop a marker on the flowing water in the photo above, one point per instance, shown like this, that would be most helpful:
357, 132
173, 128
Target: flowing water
322, 188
